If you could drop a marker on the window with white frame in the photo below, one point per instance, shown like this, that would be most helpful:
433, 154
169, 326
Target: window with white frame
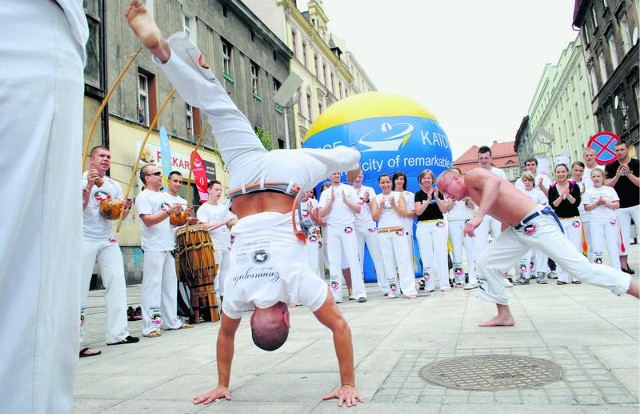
189, 27
304, 54
143, 99
189, 117
309, 108
624, 32
613, 53
594, 17
602, 62
255, 79
294, 43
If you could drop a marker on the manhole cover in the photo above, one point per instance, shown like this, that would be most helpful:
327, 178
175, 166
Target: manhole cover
491, 372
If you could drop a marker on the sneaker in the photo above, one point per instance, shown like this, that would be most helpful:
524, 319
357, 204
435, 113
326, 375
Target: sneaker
470, 286
552, 275
541, 279
521, 280
362, 299
507, 283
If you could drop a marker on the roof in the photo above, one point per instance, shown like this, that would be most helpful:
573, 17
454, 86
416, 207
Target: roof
503, 157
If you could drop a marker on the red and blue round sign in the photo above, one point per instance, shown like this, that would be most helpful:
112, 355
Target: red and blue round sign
604, 143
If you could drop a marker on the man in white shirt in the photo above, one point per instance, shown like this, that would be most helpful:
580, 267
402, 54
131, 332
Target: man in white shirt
339, 205
217, 218
589, 157
542, 181
159, 294
99, 243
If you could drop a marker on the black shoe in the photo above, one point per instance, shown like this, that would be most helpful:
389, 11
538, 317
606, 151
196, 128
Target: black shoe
628, 270
130, 313
128, 340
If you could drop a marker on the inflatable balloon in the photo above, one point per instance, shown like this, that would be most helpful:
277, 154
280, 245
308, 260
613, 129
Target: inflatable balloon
393, 133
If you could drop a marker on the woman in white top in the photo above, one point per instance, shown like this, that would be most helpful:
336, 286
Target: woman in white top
387, 209
399, 184
532, 260
602, 201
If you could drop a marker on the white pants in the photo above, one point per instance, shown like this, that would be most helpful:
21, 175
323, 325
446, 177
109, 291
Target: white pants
395, 255
159, 296
370, 237
432, 242
109, 257
606, 234
548, 238
313, 246
586, 226
221, 256
458, 241
573, 231
41, 102
489, 224
341, 240
624, 221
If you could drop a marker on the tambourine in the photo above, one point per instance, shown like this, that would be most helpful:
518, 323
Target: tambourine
111, 209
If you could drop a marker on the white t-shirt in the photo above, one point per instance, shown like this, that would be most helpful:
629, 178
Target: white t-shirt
94, 226
536, 195
601, 214
364, 219
460, 211
159, 237
407, 222
546, 181
340, 215
584, 185
388, 215
208, 213
498, 172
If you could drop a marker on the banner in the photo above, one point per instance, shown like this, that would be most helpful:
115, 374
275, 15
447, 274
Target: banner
200, 176
165, 151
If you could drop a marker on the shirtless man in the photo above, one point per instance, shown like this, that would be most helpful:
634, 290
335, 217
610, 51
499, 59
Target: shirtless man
530, 226
268, 267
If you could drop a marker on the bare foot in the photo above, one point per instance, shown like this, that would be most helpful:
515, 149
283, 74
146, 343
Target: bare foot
634, 290
146, 30
499, 320
412, 296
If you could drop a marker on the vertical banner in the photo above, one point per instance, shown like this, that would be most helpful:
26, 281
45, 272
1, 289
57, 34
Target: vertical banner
165, 153
200, 176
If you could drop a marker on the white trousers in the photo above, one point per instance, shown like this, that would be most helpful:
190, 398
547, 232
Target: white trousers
548, 238
586, 226
313, 246
370, 238
606, 234
222, 260
159, 296
489, 224
458, 241
109, 257
341, 240
624, 221
41, 102
432, 242
395, 255
573, 231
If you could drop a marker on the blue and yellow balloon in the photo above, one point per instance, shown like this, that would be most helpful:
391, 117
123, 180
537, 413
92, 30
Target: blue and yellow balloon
393, 133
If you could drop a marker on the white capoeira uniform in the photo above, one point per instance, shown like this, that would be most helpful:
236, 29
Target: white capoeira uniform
99, 243
407, 223
540, 230
394, 247
313, 245
604, 225
265, 249
533, 261
341, 240
41, 101
457, 218
221, 237
367, 233
159, 296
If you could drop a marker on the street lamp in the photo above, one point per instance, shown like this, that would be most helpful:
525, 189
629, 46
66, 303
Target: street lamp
286, 97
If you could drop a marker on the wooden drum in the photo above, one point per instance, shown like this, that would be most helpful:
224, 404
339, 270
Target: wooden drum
196, 266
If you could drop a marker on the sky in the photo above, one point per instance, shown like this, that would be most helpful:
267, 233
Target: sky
474, 64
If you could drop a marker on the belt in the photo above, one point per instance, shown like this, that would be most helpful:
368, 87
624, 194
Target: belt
546, 210
390, 229
430, 221
570, 218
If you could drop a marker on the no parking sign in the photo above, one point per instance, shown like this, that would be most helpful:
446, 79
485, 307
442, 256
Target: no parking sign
604, 143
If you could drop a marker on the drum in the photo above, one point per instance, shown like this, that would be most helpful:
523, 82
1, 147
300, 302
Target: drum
196, 266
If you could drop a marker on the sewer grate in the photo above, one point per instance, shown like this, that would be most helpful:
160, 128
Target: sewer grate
491, 372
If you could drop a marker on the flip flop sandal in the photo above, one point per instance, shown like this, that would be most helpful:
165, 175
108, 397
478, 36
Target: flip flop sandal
154, 334
86, 352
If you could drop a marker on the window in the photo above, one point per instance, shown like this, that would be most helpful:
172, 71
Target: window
604, 75
224, 10
189, 120
627, 42
613, 53
331, 84
594, 17
227, 56
316, 65
309, 110
304, 54
143, 99
294, 42
323, 78
605, 4
189, 27
255, 79
585, 33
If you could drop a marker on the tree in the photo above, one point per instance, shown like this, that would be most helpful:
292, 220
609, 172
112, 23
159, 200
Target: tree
266, 138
